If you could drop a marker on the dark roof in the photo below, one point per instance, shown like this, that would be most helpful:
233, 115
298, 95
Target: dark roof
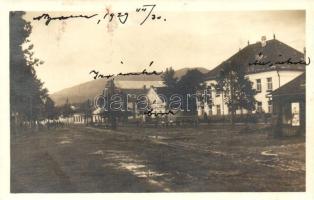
134, 91
294, 87
162, 90
273, 51
141, 77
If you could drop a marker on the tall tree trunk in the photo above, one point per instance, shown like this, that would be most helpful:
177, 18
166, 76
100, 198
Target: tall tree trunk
232, 117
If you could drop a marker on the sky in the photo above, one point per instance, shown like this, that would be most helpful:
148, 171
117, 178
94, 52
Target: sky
72, 48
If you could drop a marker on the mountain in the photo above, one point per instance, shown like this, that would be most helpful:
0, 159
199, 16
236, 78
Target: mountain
89, 90
181, 72
79, 93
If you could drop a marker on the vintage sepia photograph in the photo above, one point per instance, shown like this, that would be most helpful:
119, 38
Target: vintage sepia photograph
148, 100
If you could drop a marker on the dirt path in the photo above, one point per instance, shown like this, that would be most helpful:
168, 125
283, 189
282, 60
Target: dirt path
149, 160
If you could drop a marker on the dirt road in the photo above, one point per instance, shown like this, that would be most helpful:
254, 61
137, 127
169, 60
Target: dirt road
216, 158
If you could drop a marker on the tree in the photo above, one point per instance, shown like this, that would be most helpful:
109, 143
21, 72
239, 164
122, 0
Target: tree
110, 113
27, 93
50, 109
236, 88
88, 111
169, 79
246, 94
188, 87
66, 109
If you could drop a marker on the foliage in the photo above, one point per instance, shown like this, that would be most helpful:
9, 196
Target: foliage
187, 87
169, 79
66, 110
236, 88
50, 110
27, 93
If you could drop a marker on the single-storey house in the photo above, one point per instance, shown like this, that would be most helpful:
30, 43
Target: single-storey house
289, 108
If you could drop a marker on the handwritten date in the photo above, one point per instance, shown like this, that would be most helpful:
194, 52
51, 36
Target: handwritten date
148, 10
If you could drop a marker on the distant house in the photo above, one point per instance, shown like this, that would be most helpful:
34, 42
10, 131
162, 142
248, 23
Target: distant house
149, 98
289, 107
132, 96
155, 102
265, 78
136, 99
96, 115
139, 82
79, 118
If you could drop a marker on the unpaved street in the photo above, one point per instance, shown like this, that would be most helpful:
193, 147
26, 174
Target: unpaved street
216, 158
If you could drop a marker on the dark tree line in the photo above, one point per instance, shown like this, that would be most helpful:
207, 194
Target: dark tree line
29, 100
236, 88
188, 84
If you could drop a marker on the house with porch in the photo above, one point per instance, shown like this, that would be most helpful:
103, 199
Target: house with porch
289, 108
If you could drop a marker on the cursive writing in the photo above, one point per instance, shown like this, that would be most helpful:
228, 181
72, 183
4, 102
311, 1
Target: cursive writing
288, 61
150, 113
147, 10
97, 75
48, 18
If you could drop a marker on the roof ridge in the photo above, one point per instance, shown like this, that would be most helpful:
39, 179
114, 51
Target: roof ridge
273, 48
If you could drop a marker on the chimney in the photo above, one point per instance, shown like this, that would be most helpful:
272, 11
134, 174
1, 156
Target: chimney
274, 36
263, 41
248, 42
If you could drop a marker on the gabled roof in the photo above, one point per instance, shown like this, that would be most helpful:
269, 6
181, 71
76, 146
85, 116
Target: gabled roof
273, 51
136, 92
294, 87
137, 84
141, 77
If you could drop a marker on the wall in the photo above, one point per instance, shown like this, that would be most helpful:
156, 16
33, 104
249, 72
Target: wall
283, 78
263, 96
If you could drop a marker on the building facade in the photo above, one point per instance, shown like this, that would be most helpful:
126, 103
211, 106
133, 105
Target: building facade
267, 64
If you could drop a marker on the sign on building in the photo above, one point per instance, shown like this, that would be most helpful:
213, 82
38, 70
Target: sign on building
295, 109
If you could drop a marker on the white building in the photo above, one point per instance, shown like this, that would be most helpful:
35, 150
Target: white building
268, 65
155, 102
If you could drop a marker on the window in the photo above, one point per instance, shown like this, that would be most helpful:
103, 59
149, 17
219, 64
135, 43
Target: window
209, 95
270, 107
269, 84
218, 109
258, 85
259, 107
210, 112
217, 93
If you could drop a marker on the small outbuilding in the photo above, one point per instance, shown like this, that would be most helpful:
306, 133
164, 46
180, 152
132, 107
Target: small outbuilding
289, 108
